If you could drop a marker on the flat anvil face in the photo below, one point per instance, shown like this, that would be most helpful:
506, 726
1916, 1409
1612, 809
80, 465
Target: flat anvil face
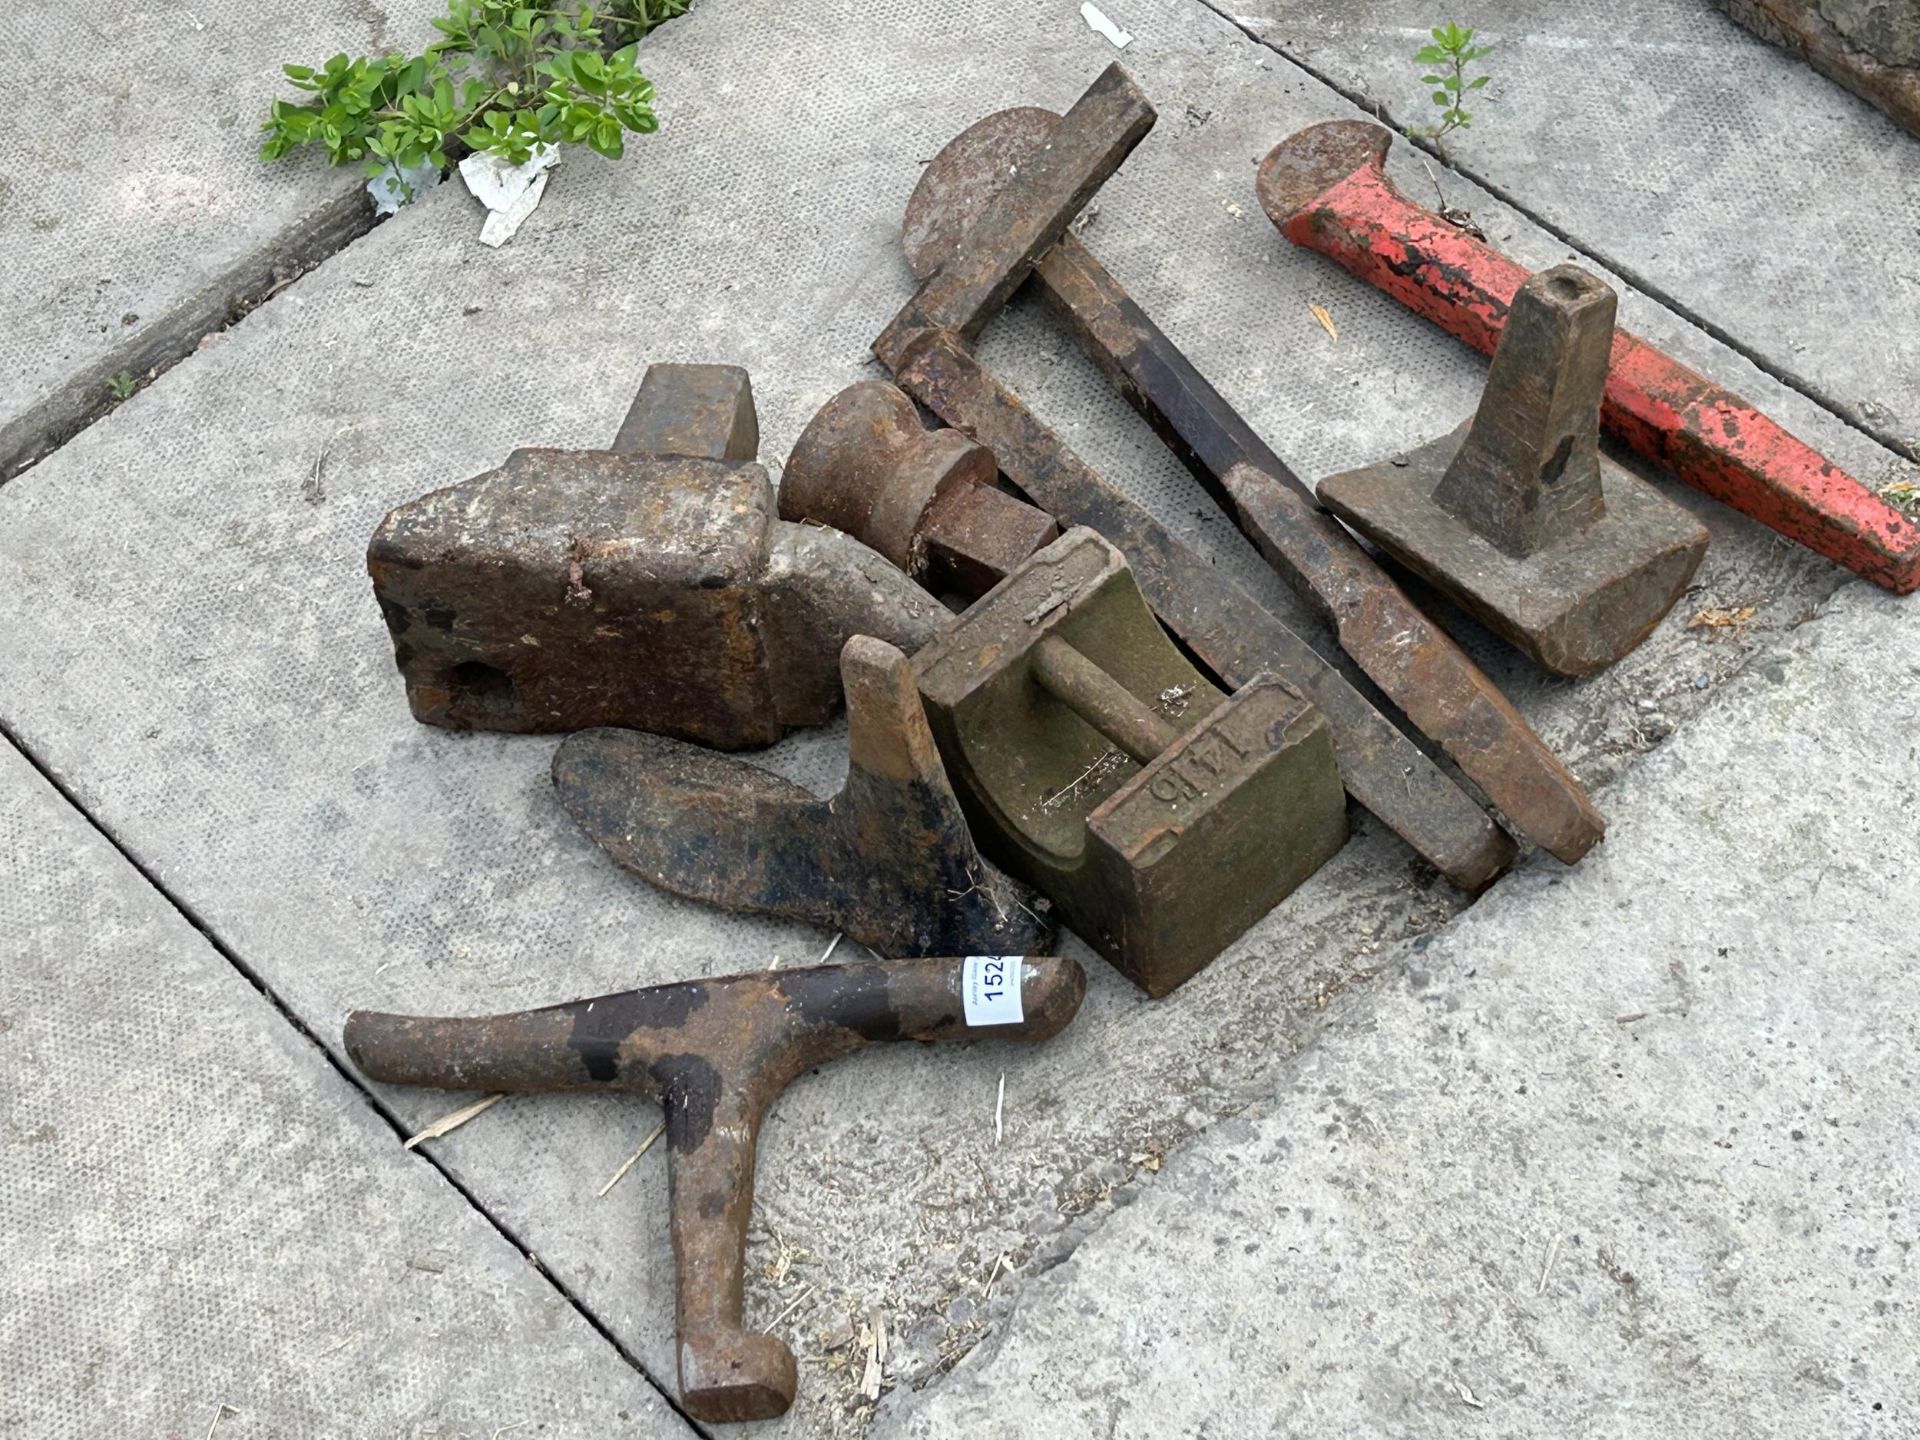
569, 589
1576, 604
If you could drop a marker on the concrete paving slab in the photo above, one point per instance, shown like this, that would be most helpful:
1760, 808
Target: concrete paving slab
135, 211
1626, 1151
207, 1228
191, 644
1757, 197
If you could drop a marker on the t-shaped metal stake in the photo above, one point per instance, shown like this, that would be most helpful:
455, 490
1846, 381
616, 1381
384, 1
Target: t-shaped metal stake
1515, 515
715, 1053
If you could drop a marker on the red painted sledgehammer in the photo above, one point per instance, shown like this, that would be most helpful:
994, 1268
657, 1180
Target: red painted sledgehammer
1325, 188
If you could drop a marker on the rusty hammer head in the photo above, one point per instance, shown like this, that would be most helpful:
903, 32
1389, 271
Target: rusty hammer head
653, 589
964, 177
1162, 816
1309, 163
715, 1053
925, 499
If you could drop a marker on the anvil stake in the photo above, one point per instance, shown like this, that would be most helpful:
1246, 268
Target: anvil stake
1516, 515
888, 860
715, 1053
1403, 652
1326, 188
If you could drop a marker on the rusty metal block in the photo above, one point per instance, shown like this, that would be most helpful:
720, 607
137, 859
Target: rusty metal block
1516, 515
715, 1054
1411, 659
888, 860
703, 410
1163, 816
925, 499
575, 588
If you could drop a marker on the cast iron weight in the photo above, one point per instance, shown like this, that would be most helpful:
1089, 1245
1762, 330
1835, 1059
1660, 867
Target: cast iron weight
1410, 658
1163, 816
715, 1054
925, 499
888, 861
649, 585
1516, 515
925, 348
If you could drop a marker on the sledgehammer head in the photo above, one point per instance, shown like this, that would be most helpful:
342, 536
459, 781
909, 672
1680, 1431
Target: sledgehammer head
715, 1053
1307, 164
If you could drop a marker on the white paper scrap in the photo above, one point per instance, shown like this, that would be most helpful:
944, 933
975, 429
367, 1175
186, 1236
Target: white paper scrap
502, 223
1097, 18
390, 191
510, 192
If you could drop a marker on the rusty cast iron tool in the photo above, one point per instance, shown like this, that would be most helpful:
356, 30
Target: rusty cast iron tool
654, 589
1410, 658
888, 860
1163, 816
1515, 515
1219, 621
1327, 189
1021, 223
925, 499
715, 1054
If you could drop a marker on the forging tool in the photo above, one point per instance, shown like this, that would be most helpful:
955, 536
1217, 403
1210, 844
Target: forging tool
650, 585
1516, 515
715, 1054
1326, 188
888, 860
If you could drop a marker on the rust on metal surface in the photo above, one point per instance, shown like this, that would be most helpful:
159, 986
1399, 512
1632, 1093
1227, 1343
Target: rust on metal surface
1096, 762
888, 860
1215, 618
1027, 217
925, 499
1326, 188
715, 1054
700, 410
575, 588
1412, 660
1870, 61
1516, 515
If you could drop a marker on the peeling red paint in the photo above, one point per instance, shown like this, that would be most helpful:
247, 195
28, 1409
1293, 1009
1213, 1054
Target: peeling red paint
1703, 432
